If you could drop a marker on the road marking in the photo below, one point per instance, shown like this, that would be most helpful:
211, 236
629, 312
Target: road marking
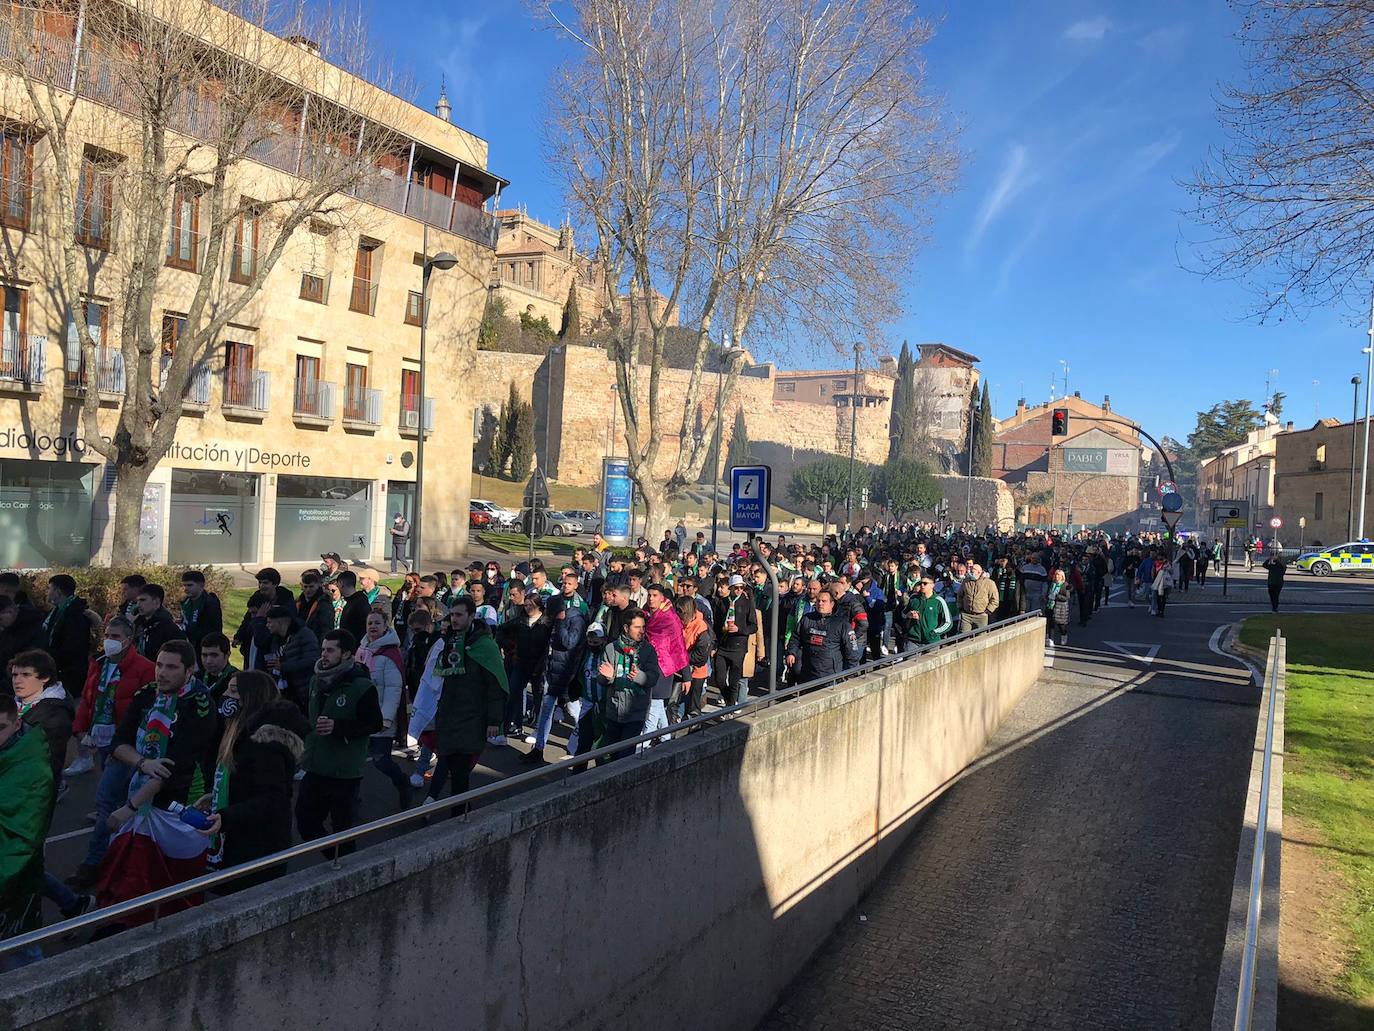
1151, 650
1214, 645
1049, 653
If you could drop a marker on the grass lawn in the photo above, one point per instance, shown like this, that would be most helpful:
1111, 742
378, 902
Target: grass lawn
1329, 757
519, 544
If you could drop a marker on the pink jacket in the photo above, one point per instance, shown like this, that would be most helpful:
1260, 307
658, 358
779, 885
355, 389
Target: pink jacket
664, 631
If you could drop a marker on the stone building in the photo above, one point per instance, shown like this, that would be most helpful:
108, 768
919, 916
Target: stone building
300, 432
1314, 470
1243, 472
1089, 477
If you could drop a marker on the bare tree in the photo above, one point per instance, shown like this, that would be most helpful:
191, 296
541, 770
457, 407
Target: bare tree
761, 166
1289, 200
179, 148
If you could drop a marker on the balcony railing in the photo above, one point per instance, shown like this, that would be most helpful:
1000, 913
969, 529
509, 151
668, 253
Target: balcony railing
410, 416
383, 191
108, 368
364, 297
428, 206
23, 360
363, 406
314, 399
247, 390
474, 224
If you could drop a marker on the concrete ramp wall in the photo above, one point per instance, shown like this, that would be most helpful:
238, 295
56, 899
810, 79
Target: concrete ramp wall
682, 890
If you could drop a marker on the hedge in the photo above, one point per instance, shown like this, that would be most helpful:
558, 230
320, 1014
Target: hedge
100, 585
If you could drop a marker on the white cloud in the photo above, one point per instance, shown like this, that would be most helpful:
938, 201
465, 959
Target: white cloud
1167, 41
1088, 30
1010, 182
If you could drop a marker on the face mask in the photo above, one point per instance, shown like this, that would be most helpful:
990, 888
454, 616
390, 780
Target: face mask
228, 707
112, 647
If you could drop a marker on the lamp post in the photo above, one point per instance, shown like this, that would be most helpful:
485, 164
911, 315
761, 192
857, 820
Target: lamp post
853, 440
727, 353
442, 261
1355, 382
1368, 382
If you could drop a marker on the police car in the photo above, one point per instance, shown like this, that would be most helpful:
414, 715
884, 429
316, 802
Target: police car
1355, 557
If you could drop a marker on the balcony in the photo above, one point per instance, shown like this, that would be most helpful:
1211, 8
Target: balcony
314, 403
23, 361
429, 206
108, 369
363, 298
474, 224
246, 394
197, 395
362, 409
383, 191
410, 417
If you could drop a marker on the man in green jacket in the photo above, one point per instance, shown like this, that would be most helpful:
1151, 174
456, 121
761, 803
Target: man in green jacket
928, 617
344, 712
473, 702
26, 799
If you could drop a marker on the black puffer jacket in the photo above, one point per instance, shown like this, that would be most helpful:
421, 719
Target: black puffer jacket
54, 712
257, 820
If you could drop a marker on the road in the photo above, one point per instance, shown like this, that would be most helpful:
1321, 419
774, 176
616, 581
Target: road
1079, 874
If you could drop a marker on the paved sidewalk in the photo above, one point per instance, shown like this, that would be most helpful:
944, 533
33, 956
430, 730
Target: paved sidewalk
1079, 875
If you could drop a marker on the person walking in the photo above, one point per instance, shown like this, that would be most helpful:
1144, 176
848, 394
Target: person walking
1275, 569
400, 542
978, 600
1204, 559
67, 631
823, 644
291, 655
928, 617
155, 625
201, 613
696, 636
1162, 584
628, 672
472, 698
734, 625
381, 654
26, 803
1059, 599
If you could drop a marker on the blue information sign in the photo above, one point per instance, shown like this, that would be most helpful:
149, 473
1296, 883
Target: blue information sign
617, 500
750, 494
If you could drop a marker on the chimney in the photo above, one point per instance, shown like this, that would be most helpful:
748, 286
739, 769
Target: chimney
1020, 405
1106, 402
1078, 394
1288, 427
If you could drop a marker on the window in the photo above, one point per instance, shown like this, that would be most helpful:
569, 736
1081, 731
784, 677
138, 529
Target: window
238, 373
183, 246
355, 391
97, 317
14, 359
840, 384
413, 308
16, 178
95, 201
1319, 506
173, 326
788, 388
244, 265
312, 287
364, 295
308, 385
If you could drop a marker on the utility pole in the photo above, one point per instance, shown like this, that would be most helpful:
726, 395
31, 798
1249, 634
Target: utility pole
854, 439
1066, 376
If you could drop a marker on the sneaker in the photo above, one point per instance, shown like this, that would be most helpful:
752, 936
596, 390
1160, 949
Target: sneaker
83, 764
85, 877
417, 780
498, 740
530, 739
83, 905
429, 801
300, 775
61, 790
534, 757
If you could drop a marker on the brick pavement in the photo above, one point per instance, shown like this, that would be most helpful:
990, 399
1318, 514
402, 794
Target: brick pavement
1077, 877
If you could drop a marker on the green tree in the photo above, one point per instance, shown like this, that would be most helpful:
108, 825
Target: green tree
899, 428
970, 428
1275, 404
499, 451
824, 483
537, 330
1220, 426
570, 332
738, 452
510, 429
907, 486
493, 316
522, 446
982, 436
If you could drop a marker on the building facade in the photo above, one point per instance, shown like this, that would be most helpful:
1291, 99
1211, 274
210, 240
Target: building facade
1091, 477
300, 426
1317, 480
1244, 472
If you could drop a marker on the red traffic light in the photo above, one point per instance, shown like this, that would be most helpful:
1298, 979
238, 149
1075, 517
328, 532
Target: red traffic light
1059, 423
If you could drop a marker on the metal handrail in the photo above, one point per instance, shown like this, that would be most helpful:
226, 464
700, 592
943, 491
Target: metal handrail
221, 877
1245, 1001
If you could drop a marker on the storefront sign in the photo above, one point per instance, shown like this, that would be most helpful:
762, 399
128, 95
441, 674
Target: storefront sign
1112, 461
237, 457
44, 443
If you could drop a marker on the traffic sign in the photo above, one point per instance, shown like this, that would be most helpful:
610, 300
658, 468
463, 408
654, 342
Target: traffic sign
1275, 523
1233, 515
750, 494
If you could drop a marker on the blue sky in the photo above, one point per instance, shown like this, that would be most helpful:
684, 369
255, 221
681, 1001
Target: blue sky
1065, 239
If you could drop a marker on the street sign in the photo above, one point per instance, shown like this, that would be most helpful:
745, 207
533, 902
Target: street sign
750, 495
1275, 523
617, 500
1232, 515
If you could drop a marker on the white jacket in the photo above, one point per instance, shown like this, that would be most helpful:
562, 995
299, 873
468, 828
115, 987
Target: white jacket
386, 675
427, 694
1164, 580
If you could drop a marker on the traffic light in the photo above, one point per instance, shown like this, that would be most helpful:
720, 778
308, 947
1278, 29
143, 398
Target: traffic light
1059, 423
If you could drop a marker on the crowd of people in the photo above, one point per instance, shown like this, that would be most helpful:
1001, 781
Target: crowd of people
217, 745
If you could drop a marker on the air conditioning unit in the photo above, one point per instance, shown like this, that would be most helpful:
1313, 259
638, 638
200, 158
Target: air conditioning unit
410, 419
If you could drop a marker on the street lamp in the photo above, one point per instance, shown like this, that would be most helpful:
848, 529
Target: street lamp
727, 353
1355, 382
443, 261
1368, 382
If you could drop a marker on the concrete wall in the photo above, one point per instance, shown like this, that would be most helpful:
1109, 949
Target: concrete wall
681, 890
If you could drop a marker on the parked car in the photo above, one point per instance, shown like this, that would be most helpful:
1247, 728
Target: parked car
550, 522
500, 516
1354, 557
562, 524
478, 517
591, 521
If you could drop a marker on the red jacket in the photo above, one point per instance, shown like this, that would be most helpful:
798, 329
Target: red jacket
135, 673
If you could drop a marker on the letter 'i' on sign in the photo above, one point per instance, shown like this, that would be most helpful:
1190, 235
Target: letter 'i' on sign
1059, 422
750, 495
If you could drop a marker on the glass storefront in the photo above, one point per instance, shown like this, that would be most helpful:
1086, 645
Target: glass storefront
316, 514
45, 513
214, 517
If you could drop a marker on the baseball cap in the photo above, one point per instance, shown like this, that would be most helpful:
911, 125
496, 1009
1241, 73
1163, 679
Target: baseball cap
332, 554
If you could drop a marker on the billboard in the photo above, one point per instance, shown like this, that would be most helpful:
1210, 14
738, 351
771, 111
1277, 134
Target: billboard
617, 500
1111, 461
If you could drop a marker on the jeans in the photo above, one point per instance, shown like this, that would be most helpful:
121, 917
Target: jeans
656, 720
544, 722
516, 704
398, 554
616, 732
1274, 590
332, 798
729, 666
379, 752
111, 792
62, 896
